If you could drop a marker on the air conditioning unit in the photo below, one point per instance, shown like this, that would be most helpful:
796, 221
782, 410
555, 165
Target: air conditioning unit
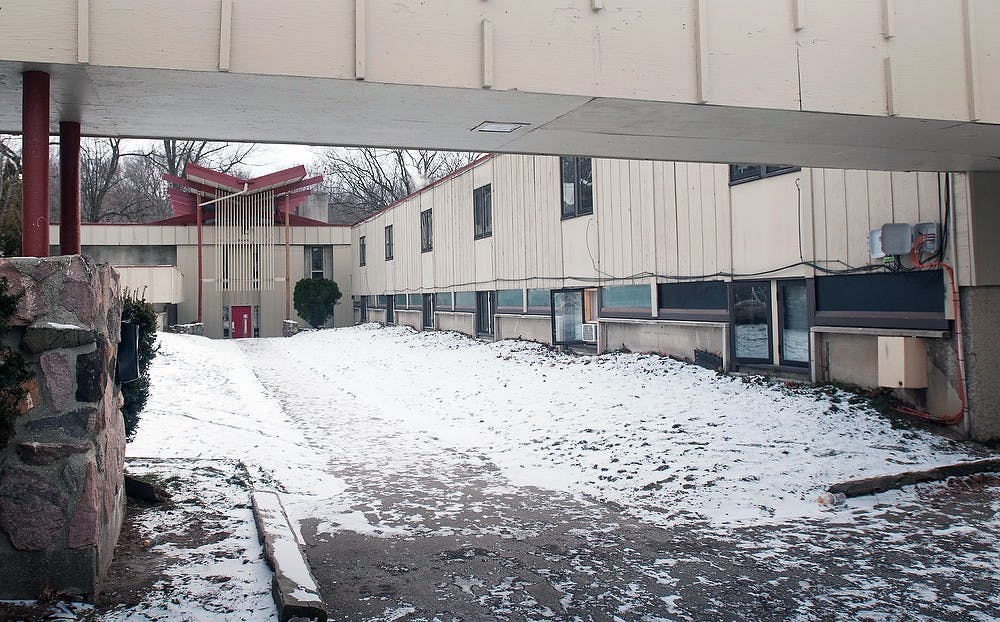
590, 332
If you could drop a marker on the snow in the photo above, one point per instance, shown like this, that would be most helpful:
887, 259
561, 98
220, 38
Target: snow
671, 444
58, 326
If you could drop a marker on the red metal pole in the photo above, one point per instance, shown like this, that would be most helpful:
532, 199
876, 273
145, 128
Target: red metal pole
197, 203
35, 146
69, 188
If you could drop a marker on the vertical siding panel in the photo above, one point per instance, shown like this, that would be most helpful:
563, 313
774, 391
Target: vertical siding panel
904, 197
683, 228
708, 219
928, 198
819, 212
879, 199
647, 225
636, 257
857, 217
695, 201
836, 215
723, 222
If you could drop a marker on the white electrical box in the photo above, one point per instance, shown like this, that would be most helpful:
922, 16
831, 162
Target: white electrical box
902, 362
897, 238
929, 232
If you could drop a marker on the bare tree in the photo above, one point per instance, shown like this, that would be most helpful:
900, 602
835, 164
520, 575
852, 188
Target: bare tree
364, 180
10, 196
171, 155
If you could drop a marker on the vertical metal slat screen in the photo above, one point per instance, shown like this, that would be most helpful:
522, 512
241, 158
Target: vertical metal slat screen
245, 239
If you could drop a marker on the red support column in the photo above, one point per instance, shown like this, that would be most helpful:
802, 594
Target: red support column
35, 147
69, 186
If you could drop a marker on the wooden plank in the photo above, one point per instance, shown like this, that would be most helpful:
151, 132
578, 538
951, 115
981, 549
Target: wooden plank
904, 197
683, 218
818, 184
709, 219
882, 483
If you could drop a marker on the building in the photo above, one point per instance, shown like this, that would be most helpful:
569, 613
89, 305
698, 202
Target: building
231, 255
817, 274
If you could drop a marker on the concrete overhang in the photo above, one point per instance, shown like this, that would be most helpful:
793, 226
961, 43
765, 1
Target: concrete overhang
152, 103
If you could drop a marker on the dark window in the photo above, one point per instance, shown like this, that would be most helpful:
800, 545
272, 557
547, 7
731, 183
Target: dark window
739, 173
752, 322
694, 300
577, 186
415, 301
486, 303
317, 262
388, 243
390, 309
882, 300
626, 300
426, 231
428, 310
793, 311
361, 251
482, 204
400, 301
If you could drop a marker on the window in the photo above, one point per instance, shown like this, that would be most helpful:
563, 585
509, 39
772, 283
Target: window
567, 316
626, 301
539, 301
739, 173
694, 300
482, 205
510, 300
428, 310
752, 322
388, 243
882, 300
465, 301
361, 251
415, 301
316, 259
400, 301
426, 231
486, 303
444, 300
577, 184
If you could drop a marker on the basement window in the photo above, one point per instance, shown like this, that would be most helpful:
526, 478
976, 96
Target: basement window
742, 173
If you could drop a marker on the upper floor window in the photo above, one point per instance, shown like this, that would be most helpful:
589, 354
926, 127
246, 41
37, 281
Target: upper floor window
361, 251
388, 242
482, 205
426, 231
739, 173
577, 186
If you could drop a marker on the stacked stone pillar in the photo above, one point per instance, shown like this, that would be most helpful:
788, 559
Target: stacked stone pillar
61, 475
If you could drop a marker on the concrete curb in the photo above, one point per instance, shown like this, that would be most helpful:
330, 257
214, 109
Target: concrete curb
293, 587
882, 483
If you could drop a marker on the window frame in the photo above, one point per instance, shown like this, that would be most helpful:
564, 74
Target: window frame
426, 231
312, 262
388, 242
482, 212
577, 185
759, 171
361, 251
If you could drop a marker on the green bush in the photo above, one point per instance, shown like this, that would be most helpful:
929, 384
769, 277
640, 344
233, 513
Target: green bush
314, 300
13, 371
135, 309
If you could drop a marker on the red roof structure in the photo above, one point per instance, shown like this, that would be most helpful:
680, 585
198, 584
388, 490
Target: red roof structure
200, 186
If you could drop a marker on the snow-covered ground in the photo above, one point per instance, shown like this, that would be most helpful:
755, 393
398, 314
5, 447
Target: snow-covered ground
661, 438
387, 433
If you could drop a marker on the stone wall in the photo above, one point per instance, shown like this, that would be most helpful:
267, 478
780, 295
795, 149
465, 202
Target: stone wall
61, 494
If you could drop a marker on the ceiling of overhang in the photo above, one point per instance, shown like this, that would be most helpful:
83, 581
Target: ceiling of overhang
148, 103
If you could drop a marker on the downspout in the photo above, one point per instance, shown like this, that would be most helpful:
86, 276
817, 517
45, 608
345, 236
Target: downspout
288, 278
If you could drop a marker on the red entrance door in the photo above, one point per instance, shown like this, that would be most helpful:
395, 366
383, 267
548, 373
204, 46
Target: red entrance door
242, 323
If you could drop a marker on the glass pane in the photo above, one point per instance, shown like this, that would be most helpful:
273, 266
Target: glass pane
752, 319
400, 300
626, 297
567, 316
510, 298
443, 300
586, 186
567, 176
465, 299
739, 172
794, 323
416, 300
317, 258
538, 298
